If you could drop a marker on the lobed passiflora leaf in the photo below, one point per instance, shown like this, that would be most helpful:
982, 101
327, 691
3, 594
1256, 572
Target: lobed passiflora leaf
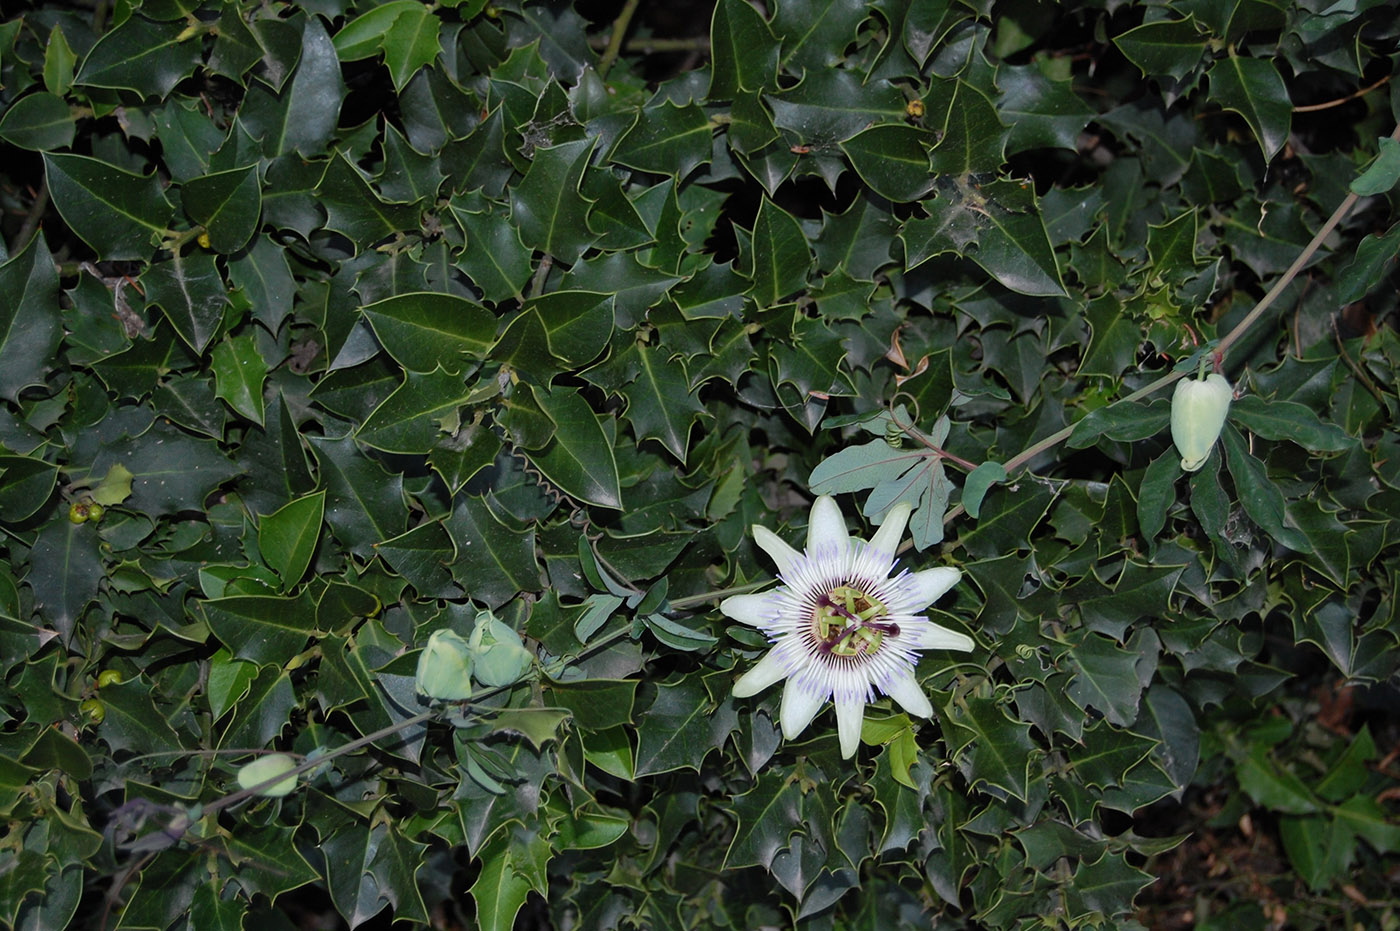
681, 727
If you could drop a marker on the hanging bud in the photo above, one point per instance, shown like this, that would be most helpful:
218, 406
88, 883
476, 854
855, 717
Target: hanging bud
1198, 415
269, 767
501, 659
445, 667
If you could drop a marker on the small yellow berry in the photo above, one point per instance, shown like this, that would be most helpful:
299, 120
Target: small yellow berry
78, 512
93, 710
203, 240
109, 677
914, 109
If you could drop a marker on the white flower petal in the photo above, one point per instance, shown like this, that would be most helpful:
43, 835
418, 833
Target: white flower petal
933, 637
772, 544
886, 539
800, 706
928, 585
754, 610
903, 689
765, 672
850, 712
826, 527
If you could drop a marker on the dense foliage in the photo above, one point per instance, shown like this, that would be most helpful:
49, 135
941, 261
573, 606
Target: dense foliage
327, 326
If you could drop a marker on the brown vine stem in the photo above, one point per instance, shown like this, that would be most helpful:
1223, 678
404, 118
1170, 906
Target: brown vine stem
619, 32
1225, 343
1314, 107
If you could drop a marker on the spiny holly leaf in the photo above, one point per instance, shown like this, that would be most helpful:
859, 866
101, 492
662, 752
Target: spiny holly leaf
239, 375
119, 214
666, 140
1253, 88
743, 51
227, 204
547, 207
660, 403
29, 331
580, 459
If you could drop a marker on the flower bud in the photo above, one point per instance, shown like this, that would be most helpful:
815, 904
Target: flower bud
269, 767
445, 667
1198, 416
501, 659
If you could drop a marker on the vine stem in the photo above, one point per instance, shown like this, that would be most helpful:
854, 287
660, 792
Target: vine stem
1225, 343
619, 32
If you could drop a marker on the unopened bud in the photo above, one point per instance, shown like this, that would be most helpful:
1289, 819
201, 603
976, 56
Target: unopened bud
269, 767
445, 667
501, 659
1198, 415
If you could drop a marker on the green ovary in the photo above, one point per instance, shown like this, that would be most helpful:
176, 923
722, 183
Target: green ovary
847, 622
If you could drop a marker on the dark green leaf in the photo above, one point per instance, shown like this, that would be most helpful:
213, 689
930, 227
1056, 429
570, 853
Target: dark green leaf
227, 204
239, 375
119, 214
29, 329
781, 255
192, 294
494, 561
287, 538
38, 121
1172, 47
580, 459
423, 331
1253, 88
547, 207
666, 140
892, 160
139, 55
743, 51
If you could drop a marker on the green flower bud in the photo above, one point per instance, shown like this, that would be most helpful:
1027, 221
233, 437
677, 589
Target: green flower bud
1198, 415
269, 767
501, 659
445, 667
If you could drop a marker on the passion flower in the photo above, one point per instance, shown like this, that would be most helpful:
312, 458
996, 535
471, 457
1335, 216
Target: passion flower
1199, 408
841, 627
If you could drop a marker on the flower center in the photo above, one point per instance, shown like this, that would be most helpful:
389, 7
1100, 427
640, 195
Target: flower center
848, 622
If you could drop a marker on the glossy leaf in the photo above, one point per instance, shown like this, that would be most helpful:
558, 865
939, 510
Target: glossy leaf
29, 332
580, 458
117, 213
287, 537
424, 331
227, 204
